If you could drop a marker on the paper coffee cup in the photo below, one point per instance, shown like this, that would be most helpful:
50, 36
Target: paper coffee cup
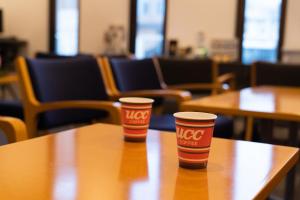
135, 114
194, 131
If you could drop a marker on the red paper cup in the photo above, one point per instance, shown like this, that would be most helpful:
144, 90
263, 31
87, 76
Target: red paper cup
194, 131
135, 113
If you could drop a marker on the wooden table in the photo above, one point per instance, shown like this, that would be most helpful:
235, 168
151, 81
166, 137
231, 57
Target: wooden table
267, 102
94, 162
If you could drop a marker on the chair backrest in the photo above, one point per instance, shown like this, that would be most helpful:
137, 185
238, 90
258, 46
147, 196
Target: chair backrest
132, 74
264, 73
65, 79
240, 70
177, 71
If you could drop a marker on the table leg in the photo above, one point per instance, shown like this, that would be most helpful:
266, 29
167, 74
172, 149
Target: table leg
249, 128
290, 184
290, 179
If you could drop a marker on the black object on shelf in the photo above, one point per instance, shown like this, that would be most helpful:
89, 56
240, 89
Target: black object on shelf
10, 48
173, 48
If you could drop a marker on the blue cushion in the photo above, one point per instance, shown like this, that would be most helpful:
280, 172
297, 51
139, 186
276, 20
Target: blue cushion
175, 70
134, 74
223, 128
277, 74
67, 79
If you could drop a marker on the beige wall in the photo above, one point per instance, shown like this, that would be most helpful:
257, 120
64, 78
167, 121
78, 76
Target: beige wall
27, 20
292, 29
214, 17
185, 20
96, 16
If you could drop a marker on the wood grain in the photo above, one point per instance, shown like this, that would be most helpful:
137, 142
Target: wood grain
94, 162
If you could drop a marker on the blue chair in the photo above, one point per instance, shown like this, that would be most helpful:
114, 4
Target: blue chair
193, 75
277, 74
143, 78
59, 92
274, 74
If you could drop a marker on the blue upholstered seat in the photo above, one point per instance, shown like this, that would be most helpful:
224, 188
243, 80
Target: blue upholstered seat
67, 79
279, 74
135, 74
141, 75
223, 128
132, 75
175, 71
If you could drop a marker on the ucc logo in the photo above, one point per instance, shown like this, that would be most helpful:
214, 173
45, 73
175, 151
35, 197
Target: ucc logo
137, 115
188, 134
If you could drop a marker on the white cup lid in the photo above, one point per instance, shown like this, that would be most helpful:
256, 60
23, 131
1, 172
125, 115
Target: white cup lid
195, 115
136, 100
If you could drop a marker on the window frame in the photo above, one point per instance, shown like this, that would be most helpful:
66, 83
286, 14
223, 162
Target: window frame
133, 28
240, 27
52, 25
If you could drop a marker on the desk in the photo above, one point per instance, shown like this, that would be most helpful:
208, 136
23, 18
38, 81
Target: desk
268, 102
94, 162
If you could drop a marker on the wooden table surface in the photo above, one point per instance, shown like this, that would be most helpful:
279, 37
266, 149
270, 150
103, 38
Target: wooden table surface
267, 102
94, 162
271, 102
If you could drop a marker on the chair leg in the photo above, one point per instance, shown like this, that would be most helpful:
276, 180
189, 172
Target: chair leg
249, 128
31, 123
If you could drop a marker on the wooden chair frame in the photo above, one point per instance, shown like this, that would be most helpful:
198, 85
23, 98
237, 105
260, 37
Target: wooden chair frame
178, 95
33, 107
13, 128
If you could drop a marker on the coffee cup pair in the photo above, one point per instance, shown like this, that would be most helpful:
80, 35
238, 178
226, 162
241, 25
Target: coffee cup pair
194, 130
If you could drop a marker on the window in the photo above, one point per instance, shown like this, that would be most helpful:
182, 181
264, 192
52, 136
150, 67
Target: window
64, 36
148, 21
261, 29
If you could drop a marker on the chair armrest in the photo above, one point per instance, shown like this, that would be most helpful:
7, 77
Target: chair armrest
179, 95
14, 129
113, 108
193, 86
227, 78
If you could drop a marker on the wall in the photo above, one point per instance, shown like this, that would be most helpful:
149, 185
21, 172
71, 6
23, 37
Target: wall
292, 28
185, 20
27, 20
214, 17
96, 16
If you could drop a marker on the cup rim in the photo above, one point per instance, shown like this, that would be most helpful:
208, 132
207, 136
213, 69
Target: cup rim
136, 100
195, 115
